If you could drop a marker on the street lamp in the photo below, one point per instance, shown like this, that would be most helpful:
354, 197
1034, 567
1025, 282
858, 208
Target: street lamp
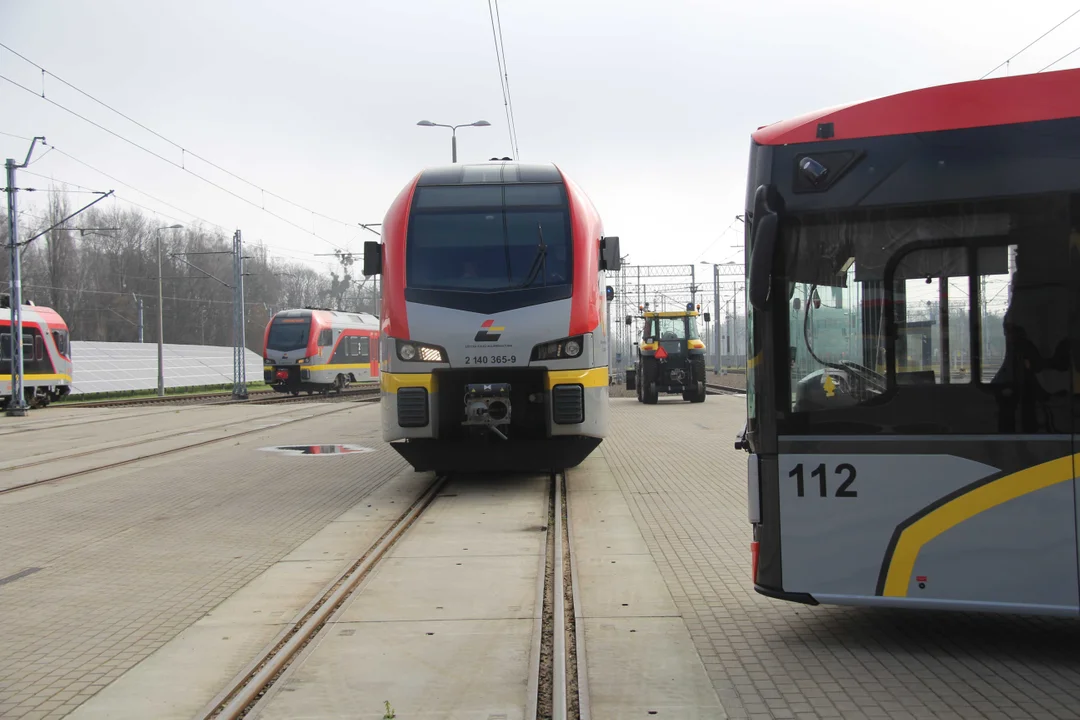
453, 130
161, 315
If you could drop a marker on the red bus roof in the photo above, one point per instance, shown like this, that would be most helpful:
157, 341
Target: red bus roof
978, 103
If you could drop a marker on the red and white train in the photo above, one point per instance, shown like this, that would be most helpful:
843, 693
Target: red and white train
46, 355
313, 350
494, 345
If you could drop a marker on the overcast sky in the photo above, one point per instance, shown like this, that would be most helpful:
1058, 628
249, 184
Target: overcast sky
648, 105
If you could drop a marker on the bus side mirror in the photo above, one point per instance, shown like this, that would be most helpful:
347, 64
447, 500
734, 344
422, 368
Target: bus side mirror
765, 231
609, 254
372, 258
708, 318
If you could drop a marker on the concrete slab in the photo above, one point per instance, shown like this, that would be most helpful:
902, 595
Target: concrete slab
645, 668
460, 670
176, 681
599, 505
341, 540
391, 500
616, 536
448, 588
622, 586
276, 595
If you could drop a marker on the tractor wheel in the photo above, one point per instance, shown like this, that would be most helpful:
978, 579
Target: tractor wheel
699, 396
649, 393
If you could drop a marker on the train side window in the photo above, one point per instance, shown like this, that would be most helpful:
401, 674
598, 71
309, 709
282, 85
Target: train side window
353, 347
326, 338
39, 347
5, 346
364, 349
932, 312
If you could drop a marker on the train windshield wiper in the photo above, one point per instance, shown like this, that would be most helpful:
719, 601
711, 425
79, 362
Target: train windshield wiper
539, 261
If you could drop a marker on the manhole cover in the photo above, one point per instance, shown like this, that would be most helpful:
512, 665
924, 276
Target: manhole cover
318, 449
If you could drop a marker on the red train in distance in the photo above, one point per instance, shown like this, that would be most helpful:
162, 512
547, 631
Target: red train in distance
316, 350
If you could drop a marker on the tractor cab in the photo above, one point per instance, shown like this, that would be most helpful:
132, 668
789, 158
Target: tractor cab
670, 357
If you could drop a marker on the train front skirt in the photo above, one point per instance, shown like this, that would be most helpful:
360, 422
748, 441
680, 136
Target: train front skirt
493, 454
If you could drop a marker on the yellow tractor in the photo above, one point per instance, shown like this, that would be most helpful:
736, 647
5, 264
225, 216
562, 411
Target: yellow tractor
670, 357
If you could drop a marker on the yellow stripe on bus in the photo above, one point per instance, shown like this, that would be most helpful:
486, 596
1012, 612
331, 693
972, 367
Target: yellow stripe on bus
391, 382
977, 500
36, 376
592, 377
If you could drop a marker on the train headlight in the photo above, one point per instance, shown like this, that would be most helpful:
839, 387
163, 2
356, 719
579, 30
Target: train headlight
410, 351
564, 349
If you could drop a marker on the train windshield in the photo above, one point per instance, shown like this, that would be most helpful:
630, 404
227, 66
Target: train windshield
288, 333
489, 238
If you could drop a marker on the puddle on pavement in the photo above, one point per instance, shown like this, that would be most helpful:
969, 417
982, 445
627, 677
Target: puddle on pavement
320, 450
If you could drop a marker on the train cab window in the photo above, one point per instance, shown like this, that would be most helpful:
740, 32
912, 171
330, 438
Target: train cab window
60, 338
326, 338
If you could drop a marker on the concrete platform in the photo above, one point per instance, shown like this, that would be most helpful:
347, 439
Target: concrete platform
140, 592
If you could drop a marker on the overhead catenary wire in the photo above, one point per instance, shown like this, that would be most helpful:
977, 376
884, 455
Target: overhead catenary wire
504, 77
184, 151
175, 164
156, 199
1071, 52
1033, 42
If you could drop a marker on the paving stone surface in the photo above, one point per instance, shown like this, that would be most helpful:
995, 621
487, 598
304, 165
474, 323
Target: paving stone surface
686, 486
103, 570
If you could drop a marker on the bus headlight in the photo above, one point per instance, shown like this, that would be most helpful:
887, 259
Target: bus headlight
559, 349
411, 351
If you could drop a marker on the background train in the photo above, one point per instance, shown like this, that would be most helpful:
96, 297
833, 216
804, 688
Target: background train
494, 348
46, 355
314, 350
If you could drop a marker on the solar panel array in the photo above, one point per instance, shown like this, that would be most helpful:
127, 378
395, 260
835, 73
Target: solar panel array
119, 366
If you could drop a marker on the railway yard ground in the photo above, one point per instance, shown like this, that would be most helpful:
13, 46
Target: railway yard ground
244, 560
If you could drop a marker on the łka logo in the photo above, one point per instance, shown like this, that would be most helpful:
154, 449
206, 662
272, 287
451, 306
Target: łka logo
488, 332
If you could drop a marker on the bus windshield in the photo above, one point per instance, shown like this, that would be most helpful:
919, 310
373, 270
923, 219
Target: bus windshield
489, 238
838, 269
288, 334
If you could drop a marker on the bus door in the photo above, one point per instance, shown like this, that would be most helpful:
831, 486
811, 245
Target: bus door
925, 438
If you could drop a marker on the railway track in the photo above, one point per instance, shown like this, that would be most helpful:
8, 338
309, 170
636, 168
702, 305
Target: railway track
718, 389
157, 453
557, 686
220, 398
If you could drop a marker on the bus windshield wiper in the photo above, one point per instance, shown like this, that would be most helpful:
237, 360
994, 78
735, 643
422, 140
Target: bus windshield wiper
539, 261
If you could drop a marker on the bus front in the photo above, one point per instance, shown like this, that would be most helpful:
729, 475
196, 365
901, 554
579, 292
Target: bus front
913, 268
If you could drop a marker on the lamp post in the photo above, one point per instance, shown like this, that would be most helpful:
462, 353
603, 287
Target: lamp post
453, 131
161, 316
